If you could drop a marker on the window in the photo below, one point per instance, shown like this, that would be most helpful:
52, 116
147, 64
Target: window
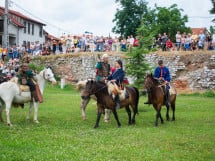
32, 31
29, 28
41, 31
25, 27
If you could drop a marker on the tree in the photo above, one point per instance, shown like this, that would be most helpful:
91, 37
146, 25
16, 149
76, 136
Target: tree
129, 16
170, 20
212, 11
137, 65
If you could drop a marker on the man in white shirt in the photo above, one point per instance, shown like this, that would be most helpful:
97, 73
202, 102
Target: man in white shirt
178, 40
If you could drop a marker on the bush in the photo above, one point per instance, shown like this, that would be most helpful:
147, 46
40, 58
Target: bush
209, 93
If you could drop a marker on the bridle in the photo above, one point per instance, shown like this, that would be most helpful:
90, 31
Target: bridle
149, 84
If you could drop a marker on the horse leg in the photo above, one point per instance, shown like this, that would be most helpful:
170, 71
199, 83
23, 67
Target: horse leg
158, 115
84, 103
29, 112
98, 119
116, 117
167, 112
156, 118
35, 112
173, 111
161, 118
1, 109
129, 115
107, 115
8, 107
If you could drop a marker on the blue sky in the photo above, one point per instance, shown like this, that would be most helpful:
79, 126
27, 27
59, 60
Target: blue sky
76, 17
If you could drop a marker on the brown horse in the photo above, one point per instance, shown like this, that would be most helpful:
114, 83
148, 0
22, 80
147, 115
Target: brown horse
157, 97
105, 100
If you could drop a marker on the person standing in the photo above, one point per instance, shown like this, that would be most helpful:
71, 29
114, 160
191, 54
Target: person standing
103, 68
178, 40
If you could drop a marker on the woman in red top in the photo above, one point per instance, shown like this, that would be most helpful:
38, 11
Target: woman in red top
169, 45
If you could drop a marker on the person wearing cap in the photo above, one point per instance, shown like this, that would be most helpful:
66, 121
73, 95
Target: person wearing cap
103, 69
117, 77
26, 77
162, 73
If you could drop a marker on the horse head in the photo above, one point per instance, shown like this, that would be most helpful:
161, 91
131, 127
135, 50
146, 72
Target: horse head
148, 83
48, 75
89, 89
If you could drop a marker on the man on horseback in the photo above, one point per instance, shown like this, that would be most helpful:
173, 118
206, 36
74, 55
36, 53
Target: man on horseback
162, 73
102, 72
102, 68
26, 76
117, 77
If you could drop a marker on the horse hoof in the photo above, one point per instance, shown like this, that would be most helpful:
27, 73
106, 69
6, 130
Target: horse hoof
95, 127
9, 124
84, 118
106, 120
36, 121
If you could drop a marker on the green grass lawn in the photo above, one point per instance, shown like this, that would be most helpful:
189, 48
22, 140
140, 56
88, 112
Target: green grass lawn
63, 135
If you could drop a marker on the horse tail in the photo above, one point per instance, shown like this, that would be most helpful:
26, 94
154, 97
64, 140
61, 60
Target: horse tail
137, 99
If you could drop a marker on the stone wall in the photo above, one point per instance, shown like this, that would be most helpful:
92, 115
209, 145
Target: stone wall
191, 71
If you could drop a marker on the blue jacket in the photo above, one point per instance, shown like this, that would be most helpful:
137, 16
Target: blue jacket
165, 73
118, 75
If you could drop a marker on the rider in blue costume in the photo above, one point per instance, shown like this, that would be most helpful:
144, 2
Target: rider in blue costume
117, 77
162, 73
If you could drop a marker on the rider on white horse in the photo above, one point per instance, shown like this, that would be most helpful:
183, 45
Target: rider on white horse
26, 77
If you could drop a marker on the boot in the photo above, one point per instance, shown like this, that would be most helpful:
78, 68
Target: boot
117, 102
168, 98
34, 95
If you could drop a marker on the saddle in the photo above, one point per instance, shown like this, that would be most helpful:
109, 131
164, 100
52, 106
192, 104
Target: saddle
172, 89
23, 88
114, 89
26, 88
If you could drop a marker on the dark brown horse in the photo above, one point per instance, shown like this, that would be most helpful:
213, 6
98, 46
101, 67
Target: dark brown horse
105, 100
157, 97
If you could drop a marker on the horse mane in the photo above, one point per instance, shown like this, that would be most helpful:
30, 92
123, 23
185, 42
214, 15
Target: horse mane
101, 86
80, 85
155, 80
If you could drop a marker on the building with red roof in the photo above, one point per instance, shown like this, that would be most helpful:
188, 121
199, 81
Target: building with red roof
22, 29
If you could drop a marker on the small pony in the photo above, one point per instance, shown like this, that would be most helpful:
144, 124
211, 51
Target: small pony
157, 97
105, 100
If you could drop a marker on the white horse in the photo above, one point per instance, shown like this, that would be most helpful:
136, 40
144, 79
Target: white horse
84, 102
10, 93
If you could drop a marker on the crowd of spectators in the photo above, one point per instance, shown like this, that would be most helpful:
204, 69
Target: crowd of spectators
88, 43
186, 41
91, 43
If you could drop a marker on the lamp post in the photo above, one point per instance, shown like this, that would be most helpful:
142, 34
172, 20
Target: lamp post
5, 34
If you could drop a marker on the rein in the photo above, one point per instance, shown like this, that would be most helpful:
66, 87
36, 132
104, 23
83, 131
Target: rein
98, 90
